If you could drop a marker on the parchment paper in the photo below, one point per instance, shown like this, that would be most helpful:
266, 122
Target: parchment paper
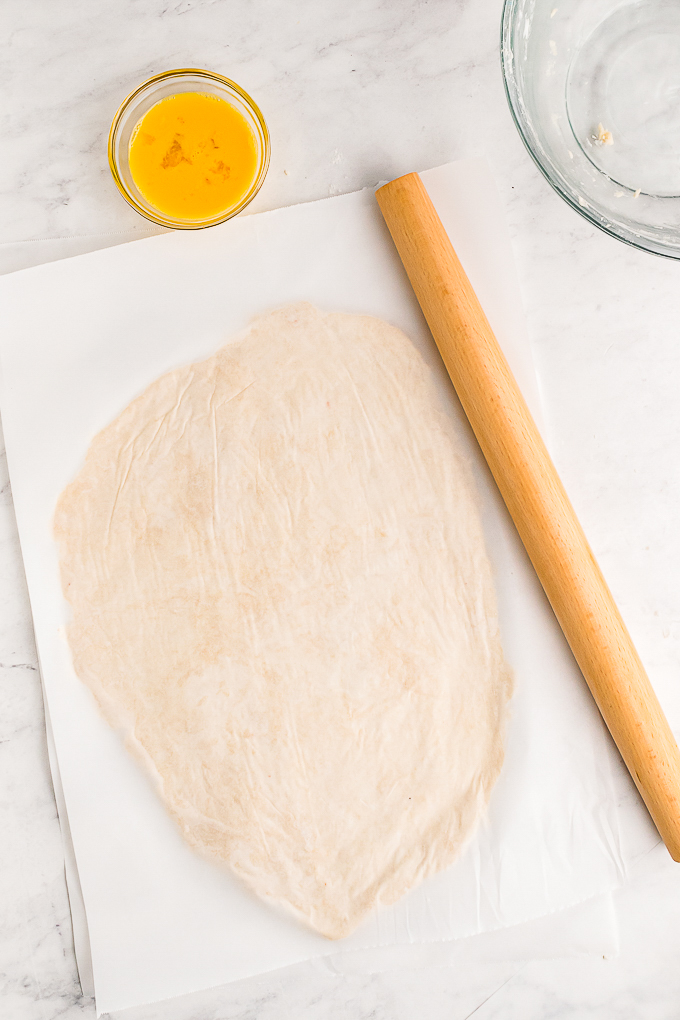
84, 336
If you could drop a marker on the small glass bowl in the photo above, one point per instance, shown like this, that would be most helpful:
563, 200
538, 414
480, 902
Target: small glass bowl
139, 102
594, 88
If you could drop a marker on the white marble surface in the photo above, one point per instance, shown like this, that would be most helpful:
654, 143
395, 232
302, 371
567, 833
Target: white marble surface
355, 93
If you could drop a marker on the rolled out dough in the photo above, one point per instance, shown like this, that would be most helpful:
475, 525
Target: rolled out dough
279, 589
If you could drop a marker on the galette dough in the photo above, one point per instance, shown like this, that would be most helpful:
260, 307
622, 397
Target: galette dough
280, 591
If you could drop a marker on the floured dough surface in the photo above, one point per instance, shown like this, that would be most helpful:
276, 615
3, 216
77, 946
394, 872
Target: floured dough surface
279, 588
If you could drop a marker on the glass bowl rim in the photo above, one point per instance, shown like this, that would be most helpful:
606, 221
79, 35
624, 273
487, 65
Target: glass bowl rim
160, 218
511, 94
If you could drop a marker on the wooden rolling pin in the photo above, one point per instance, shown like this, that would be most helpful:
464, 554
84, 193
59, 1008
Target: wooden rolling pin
537, 502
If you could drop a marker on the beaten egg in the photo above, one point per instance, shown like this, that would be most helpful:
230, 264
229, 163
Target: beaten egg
193, 156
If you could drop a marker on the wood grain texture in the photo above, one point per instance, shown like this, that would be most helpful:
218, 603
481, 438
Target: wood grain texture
537, 502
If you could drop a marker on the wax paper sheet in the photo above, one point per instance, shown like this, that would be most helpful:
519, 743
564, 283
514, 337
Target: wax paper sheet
82, 338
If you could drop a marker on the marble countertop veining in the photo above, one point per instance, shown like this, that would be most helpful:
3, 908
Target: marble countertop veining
355, 93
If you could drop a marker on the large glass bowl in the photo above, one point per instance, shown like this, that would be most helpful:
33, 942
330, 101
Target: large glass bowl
594, 88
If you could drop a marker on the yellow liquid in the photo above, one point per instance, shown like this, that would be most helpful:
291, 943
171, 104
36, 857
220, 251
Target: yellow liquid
193, 156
